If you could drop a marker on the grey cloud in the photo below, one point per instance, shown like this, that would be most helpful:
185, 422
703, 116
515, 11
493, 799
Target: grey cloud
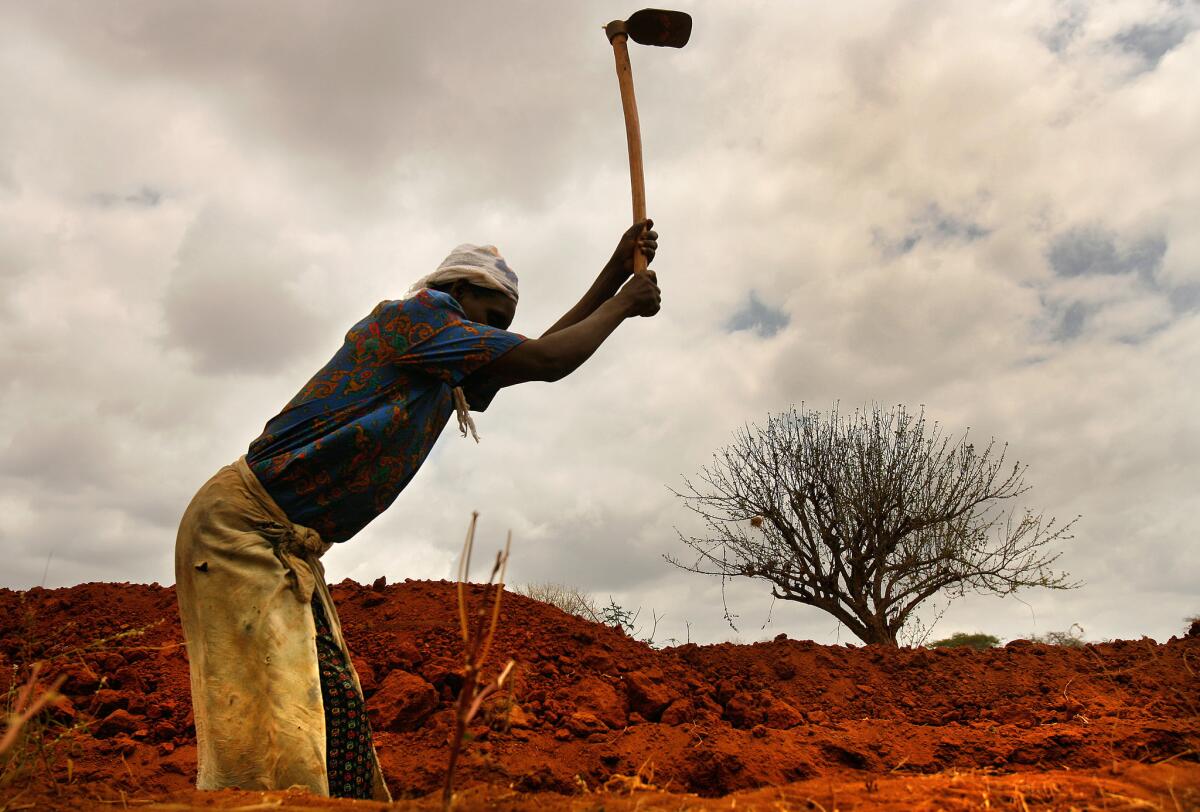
1152, 41
870, 58
1095, 250
1059, 37
1121, 319
307, 67
153, 510
949, 227
144, 197
891, 248
372, 98
86, 541
932, 224
1185, 298
1091, 252
1070, 322
231, 303
604, 554
236, 323
64, 455
756, 316
97, 482
14, 258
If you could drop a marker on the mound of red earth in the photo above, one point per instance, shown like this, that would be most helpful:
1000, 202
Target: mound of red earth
588, 703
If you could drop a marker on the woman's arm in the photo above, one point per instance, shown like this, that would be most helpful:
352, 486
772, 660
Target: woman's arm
613, 275
559, 353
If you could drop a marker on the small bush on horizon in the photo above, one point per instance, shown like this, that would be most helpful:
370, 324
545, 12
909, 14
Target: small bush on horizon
575, 601
616, 615
976, 640
619, 617
1071, 638
569, 599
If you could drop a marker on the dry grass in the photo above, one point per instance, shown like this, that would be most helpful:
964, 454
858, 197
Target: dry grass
478, 630
27, 703
571, 600
40, 729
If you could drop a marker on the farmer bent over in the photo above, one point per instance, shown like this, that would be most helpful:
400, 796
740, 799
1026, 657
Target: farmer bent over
277, 702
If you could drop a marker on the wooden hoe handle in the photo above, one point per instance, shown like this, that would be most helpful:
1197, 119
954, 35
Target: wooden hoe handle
633, 134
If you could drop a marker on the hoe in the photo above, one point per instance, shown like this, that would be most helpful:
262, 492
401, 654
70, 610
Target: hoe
650, 26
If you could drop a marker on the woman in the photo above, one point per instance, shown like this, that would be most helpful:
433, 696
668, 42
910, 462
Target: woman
275, 697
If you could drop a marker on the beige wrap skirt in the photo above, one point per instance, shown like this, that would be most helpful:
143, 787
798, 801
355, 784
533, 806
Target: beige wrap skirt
245, 578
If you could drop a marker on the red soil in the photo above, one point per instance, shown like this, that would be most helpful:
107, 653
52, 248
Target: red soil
780, 724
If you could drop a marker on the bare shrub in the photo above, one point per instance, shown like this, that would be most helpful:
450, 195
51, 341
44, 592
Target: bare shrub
571, 600
1071, 638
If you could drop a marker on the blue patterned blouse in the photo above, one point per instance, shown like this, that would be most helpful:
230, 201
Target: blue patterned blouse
342, 450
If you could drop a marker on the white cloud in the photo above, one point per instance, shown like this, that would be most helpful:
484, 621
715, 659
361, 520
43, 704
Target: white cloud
195, 205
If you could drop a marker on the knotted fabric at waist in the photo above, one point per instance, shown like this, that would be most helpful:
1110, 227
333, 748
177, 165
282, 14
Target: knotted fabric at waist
297, 547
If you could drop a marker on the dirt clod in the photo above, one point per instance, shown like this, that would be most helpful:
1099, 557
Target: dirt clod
402, 702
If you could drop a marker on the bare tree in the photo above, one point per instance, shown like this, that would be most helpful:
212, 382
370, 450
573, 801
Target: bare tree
868, 516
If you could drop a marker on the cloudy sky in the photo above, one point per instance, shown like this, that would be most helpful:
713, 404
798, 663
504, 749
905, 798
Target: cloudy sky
988, 209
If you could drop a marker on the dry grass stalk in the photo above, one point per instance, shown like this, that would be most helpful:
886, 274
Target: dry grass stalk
477, 634
641, 781
26, 706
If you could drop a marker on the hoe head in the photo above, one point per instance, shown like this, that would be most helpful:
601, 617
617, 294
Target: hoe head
653, 26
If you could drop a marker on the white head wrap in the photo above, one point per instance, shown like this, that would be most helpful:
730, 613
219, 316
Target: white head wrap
480, 265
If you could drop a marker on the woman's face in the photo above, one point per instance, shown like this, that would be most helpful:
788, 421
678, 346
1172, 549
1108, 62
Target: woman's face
490, 307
